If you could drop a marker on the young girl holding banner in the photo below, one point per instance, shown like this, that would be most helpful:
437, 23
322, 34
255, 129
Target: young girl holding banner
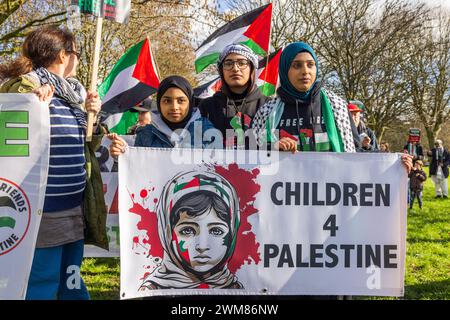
307, 116
176, 124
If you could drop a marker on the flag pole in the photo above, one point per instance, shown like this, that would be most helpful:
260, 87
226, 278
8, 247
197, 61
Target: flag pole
94, 74
270, 37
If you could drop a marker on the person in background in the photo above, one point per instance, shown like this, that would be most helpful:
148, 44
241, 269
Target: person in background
144, 117
417, 177
414, 148
307, 116
384, 147
440, 161
367, 137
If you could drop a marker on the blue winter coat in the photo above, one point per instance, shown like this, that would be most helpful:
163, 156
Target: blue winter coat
151, 136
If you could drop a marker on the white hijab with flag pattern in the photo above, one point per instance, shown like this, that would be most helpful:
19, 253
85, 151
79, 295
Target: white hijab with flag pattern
171, 273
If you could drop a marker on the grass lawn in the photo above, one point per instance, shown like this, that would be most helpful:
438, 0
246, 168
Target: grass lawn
427, 256
428, 248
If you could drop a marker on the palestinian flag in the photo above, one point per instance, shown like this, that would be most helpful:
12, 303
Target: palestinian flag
208, 89
120, 122
132, 79
267, 73
6, 220
251, 29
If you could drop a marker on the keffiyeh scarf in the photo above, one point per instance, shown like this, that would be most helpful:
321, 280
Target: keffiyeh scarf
70, 90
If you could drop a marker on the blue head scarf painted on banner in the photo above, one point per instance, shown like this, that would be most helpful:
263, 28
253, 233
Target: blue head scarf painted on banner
287, 56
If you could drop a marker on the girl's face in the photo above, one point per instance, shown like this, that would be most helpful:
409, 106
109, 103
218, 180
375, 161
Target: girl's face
303, 71
174, 105
236, 71
204, 239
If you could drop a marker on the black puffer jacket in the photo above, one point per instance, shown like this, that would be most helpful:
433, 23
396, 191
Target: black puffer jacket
435, 158
224, 105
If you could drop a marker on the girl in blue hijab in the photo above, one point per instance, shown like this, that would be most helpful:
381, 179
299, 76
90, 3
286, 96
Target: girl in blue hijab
304, 116
312, 65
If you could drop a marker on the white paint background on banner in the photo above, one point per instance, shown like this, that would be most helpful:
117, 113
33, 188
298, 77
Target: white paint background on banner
288, 224
30, 173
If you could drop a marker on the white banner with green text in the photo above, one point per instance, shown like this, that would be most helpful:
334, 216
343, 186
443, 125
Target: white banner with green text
24, 152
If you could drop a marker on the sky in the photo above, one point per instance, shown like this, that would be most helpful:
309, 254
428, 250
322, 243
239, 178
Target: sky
444, 3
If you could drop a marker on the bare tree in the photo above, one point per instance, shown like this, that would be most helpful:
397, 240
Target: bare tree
428, 74
360, 46
18, 17
364, 46
168, 25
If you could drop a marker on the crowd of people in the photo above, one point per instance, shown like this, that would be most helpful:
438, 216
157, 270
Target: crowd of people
303, 116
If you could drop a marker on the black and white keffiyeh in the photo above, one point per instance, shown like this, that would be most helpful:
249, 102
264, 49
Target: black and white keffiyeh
342, 120
338, 106
70, 90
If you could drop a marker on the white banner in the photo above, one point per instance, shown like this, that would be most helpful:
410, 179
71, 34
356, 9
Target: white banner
110, 187
306, 224
24, 152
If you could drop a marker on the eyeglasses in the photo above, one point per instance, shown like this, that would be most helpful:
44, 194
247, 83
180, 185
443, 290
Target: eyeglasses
241, 64
78, 54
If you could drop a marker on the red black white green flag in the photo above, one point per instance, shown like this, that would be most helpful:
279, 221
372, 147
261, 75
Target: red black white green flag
267, 73
132, 79
208, 89
251, 29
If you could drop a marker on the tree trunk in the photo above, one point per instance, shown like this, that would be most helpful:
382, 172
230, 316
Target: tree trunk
380, 136
431, 135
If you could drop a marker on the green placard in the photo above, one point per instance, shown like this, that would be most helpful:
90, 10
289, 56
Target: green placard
8, 133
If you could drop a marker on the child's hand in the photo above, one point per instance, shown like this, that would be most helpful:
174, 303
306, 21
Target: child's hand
117, 146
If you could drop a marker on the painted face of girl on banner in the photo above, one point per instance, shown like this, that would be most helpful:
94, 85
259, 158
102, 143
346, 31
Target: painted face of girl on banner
205, 237
198, 221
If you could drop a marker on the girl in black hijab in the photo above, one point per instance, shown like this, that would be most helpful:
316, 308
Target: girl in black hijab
173, 124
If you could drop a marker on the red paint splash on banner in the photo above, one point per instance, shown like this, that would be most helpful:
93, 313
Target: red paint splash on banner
143, 193
148, 223
244, 181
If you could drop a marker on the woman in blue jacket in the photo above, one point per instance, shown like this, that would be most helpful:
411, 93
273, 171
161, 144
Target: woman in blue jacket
177, 124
